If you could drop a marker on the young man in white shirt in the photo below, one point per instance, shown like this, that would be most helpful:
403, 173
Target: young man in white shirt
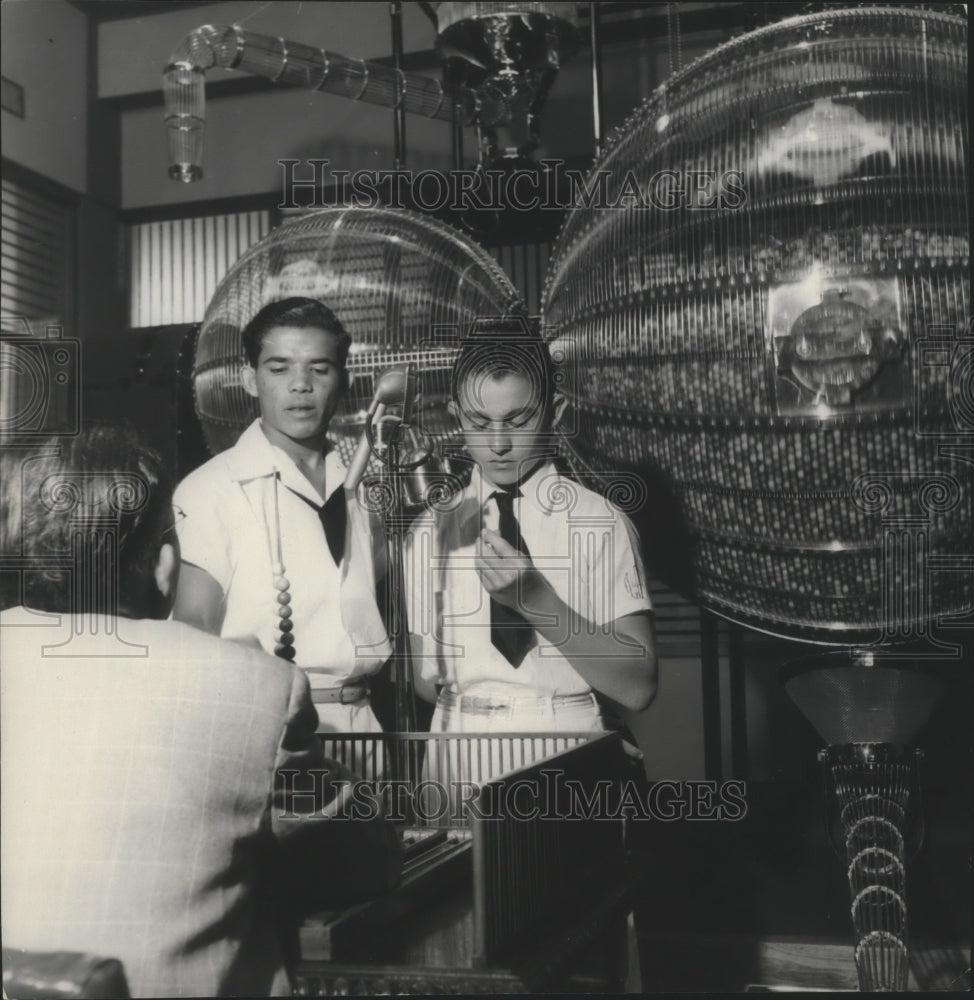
273, 548
527, 594
513, 634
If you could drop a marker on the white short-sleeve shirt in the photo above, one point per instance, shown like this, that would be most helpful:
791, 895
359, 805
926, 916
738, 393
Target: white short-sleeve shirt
583, 545
236, 507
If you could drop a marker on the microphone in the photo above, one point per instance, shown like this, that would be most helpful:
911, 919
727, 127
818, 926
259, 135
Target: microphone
394, 386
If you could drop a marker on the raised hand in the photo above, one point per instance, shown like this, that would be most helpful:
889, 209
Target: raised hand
508, 575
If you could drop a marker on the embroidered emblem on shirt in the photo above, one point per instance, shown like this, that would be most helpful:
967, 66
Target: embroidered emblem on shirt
634, 586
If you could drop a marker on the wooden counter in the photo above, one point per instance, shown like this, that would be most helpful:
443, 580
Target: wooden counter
531, 897
431, 951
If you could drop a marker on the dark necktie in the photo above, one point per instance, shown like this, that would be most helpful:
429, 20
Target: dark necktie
334, 519
509, 632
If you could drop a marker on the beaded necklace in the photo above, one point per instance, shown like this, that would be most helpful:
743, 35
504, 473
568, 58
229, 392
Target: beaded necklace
284, 636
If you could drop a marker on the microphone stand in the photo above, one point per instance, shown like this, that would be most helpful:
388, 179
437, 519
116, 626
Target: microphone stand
391, 492
396, 523
404, 763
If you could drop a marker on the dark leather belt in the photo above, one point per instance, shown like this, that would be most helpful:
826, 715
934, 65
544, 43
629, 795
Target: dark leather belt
348, 693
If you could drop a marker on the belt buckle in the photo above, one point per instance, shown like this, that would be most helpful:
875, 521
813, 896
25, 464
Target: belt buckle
487, 705
358, 688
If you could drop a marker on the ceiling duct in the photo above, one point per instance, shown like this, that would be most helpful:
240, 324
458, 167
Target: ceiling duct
499, 63
282, 61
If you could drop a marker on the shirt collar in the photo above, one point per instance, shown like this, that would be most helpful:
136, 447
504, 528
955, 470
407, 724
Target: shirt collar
531, 489
254, 457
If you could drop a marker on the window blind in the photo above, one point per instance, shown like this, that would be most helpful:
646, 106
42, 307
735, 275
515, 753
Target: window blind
176, 264
35, 282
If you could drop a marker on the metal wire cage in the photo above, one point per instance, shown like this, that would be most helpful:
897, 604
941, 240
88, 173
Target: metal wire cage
404, 286
752, 285
433, 778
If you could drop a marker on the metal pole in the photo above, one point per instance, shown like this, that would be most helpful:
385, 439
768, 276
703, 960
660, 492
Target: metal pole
596, 76
429, 11
458, 140
399, 114
404, 766
398, 633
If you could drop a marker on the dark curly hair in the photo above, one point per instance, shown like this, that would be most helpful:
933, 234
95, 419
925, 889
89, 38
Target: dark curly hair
85, 517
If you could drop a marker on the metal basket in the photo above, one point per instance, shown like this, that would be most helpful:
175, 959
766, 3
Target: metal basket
437, 774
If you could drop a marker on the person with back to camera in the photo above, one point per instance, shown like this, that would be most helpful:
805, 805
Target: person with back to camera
521, 604
274, 548
166, 801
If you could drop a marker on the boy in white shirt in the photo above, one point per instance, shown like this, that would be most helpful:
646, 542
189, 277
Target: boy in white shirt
273, 547
528, 593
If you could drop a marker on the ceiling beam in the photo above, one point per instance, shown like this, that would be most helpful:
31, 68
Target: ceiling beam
120, 10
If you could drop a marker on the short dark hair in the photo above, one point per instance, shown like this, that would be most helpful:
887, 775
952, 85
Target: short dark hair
103, 488
296, 311
504, 347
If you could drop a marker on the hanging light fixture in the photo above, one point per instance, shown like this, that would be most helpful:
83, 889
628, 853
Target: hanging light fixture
508, 55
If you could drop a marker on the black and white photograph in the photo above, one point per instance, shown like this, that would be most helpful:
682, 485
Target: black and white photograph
486, 498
